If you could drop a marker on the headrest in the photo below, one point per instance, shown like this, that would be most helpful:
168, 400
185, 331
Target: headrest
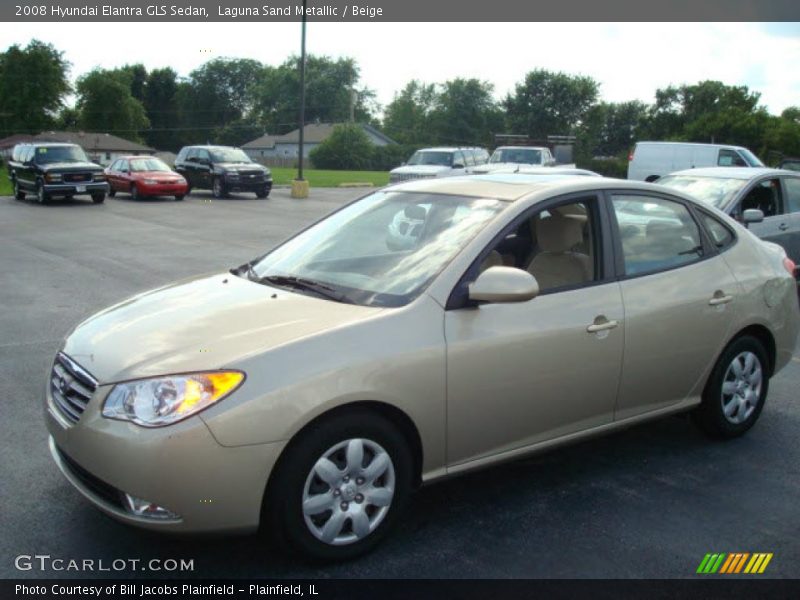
558, 234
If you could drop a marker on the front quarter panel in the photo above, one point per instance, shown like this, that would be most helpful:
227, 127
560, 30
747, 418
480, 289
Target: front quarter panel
396, 357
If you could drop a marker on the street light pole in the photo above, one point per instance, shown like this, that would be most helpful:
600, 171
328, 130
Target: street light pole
302, 91
300, 185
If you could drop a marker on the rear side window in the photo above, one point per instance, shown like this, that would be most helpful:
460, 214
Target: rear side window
721, 235
655, 234
792, 194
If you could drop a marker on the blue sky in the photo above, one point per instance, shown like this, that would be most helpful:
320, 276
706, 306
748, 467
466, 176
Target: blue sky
630, 60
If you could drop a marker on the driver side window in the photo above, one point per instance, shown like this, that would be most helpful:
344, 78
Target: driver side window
765, 196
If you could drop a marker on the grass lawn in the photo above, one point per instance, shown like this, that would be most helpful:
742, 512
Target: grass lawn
319, 178
5, 184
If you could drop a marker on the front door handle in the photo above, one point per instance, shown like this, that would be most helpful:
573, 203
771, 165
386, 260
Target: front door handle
783, 227
720, 297
601, 324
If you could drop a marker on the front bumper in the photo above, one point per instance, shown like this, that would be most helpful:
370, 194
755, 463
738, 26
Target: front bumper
163, 189
74, 189
245, 185
181, 467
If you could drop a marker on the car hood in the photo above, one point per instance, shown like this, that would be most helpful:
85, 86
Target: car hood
157, 175
204, 323
422, 169
71, 166
490, 168
245, 166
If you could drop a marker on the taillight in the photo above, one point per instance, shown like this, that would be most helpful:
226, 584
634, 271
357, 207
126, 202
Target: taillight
789, 265
630, 156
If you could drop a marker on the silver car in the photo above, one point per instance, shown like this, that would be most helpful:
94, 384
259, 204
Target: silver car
310, 390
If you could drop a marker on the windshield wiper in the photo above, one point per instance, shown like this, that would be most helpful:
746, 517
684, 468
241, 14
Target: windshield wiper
299, 283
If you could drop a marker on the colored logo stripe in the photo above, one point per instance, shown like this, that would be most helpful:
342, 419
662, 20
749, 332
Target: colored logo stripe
725, 563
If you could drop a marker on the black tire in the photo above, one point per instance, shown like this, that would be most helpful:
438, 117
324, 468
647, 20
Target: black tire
262, 193
134, 192
41, 196
218, 188
18, 193
710, 415
283, 513
179, 198
98, 198
111, 191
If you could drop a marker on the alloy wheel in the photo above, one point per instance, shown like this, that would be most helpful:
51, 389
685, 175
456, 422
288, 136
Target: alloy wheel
741, 387
348, 492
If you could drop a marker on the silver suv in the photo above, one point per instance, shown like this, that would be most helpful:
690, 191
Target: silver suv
439, 162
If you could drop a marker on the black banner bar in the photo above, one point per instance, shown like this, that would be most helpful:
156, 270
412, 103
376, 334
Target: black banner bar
400, 10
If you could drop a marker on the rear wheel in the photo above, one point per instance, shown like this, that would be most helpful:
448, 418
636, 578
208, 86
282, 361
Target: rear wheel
736, 391
18, 193
340, 487
111, 191
179, 197
134, 192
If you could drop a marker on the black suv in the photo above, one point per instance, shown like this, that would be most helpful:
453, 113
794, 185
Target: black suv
222, 169
48, 169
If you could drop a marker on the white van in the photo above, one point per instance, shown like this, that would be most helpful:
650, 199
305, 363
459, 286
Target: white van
651, 160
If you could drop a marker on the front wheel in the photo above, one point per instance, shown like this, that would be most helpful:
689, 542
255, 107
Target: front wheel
98, 198
262, 192
18, 193
42, 197
134, 192
340, 487
736, 391
218, 188
179, 197
111, 191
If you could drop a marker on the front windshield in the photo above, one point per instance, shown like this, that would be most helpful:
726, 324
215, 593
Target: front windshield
751, 158
716, 191
526, 156
382, 250
56, 154
428, 157
149, 164
233, 155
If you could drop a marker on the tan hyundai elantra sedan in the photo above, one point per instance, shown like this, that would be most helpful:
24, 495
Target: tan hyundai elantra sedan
425, 330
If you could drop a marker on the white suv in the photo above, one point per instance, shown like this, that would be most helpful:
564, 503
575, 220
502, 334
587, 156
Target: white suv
439, 162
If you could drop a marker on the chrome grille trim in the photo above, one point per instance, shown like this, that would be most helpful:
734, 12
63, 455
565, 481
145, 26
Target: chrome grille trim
71, 387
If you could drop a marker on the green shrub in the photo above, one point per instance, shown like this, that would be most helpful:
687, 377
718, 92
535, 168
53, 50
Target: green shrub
607, 167
348, 147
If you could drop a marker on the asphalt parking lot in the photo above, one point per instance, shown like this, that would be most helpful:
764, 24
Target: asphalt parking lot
649, 502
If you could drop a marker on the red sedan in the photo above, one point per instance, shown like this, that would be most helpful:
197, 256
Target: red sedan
143, 176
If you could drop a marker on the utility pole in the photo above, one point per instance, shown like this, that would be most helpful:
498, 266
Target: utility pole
300, 185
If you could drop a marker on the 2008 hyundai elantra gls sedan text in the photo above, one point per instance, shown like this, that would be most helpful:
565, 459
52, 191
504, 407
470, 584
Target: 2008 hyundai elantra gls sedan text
424, 330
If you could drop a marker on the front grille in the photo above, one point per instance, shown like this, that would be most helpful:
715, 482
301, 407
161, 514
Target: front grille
408, 176
251, 175
95, 485
71, 387
74, 177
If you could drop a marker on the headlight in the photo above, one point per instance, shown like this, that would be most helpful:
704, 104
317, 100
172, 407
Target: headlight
165, 400
232, 174
53, 177
150, 181
99, 177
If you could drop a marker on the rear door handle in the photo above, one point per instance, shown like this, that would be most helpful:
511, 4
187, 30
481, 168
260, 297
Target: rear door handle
719, 298
603, 325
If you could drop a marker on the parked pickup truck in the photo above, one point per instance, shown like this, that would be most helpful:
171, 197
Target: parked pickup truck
505, 157
48, 170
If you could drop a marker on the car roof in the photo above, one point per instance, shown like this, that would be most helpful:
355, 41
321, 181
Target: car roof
744, 173
692, 144
51, 144
512, 186
449, 148
522, 148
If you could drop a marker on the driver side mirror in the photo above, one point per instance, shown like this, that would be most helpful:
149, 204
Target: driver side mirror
458, 166
752, 215
503, 284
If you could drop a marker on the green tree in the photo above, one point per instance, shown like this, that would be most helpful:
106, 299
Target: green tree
161, 108
33, 84
330, 84
407, 118
610, 129
106, 104
465, 113
348, 147
548, 103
